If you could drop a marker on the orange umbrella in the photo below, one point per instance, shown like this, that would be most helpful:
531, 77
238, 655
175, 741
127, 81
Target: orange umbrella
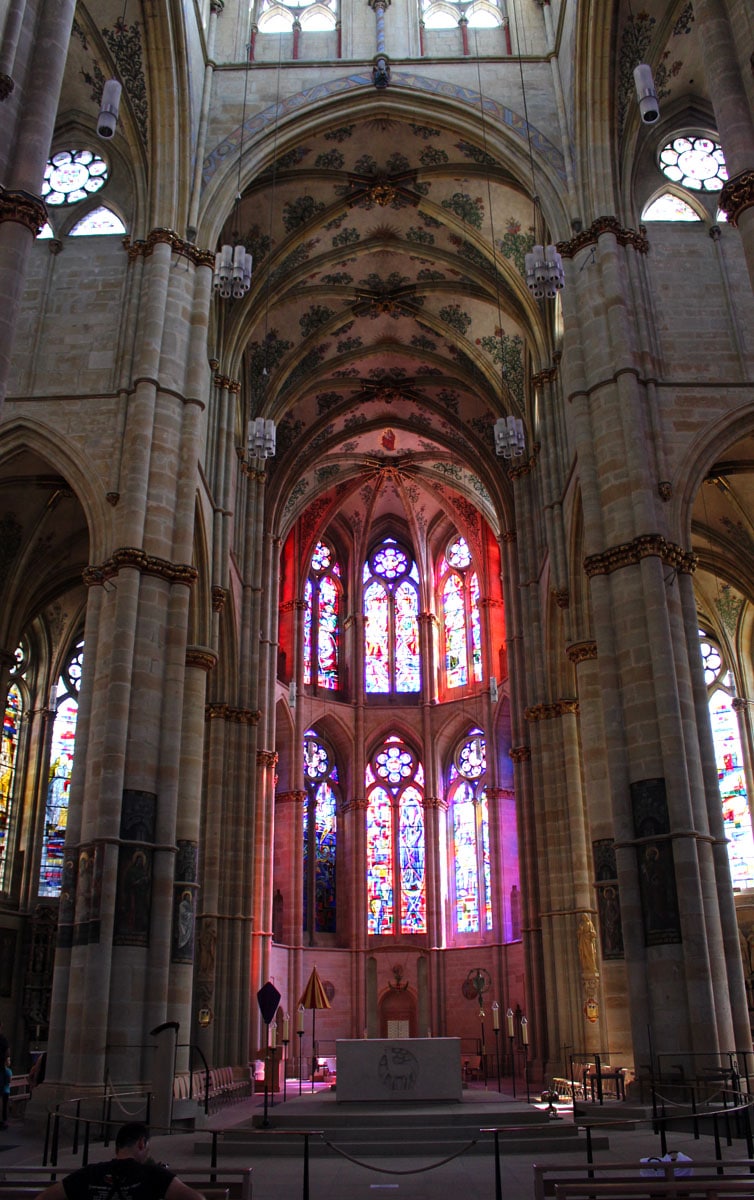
314, 996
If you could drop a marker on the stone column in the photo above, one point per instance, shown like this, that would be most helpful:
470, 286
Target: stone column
671, 912
732, 108
29, 114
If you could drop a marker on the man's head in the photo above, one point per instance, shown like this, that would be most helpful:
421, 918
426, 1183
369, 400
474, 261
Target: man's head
132, 1141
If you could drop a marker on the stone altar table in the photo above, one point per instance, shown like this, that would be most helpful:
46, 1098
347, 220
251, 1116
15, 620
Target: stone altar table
386, 1069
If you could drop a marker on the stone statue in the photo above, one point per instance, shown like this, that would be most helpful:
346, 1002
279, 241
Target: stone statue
587, 938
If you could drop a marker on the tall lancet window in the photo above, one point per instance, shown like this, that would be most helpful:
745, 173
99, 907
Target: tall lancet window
396, 860
730, 764
391, 621
66, 702
320, 820
322, 597
9, 745
461, 625
471, 838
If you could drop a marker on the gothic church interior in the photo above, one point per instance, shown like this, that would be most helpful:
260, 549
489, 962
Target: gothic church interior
374, 604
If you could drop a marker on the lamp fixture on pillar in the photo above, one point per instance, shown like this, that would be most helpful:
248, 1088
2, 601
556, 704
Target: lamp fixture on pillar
233, 263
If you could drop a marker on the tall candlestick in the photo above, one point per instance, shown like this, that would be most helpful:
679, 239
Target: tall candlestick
495, 1015
286, 1028
524, 1031
273, 1036
509, 1019
300, 1019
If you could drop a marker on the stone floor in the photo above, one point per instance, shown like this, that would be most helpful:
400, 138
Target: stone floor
468, 1177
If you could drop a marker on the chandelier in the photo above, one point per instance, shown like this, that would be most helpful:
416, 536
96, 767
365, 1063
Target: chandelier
544, 272
260, 437
509, 437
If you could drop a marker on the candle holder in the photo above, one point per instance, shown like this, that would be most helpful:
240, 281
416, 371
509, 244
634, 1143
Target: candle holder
300, 1034
509, 1020
286, 1039
525, 1040
496, 1031
483, 1044
265, 1119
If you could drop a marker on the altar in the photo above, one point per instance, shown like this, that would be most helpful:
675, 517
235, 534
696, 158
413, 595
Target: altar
398, 1069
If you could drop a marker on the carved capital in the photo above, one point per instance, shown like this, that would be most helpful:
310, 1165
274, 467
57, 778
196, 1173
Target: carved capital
236, 716
665, 490
519, 754
219, 596
630, 553
510, 536
23, 208
549, 375
147, 564
562, 597
547, 712
267, 758
356, 804
579, 652
297, 796
201, 657
6, 86
435, 803
590, 237
143, 248
737, 195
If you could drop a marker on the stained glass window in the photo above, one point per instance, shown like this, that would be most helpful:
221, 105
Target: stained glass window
461, 624
275, 16
320, 835
396, 857
322, 594
72, 175
669, 207
100, 220
59, 777
730, 769
8, 759
392, 662
694, 162
471, 840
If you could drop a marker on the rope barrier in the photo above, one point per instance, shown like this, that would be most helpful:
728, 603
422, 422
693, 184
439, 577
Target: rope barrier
387, 1171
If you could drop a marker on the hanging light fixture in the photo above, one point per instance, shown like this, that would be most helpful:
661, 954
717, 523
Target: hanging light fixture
260, 437
509, 437
107, 121
233, 263
543, 265
509, 431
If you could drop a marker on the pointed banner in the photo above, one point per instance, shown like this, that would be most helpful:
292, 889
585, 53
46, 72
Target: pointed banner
314, 994
268, 998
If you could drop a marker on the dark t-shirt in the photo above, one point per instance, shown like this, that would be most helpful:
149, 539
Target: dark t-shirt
119, 1179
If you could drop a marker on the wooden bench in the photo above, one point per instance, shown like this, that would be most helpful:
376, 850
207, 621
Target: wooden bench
548, 1175
222, 1183
721, 1187
225, 1085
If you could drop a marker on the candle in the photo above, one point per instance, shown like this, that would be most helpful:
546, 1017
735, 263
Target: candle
286, 1027
300, 1019
524, 1031
496, 1016
37, 1033
273, 1036
509, 1019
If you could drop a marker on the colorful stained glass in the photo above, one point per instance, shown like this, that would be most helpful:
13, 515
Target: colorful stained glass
472, 760
390, 562
454, 622
327, 672
325, 840
99, 221
458, 554
8, 755
476, 627
376, 648
411, 857
319, 831
395, 764
732, 782
58, 791
465, 859
308, 592
380, 916
322, 619
486, 874
407, 661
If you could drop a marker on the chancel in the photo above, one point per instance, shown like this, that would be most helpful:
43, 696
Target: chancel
376, 540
